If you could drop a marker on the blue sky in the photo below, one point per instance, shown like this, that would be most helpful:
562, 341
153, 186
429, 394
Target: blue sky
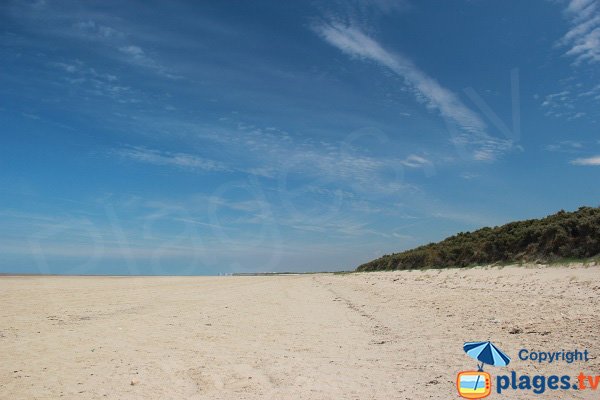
216, 137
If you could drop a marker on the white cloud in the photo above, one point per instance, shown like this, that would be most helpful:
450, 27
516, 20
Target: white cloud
363, 7
136, 55
82, 77
593, 92
566, 103
30, 116
181, 160
355, 43
583, 39
363, 13
577, 115
90, 27
427, 90
469, 175
133, 51
565, 146
415, 161
383, 6
108, 36
70, 68
581, 8
587, 48
590, 161
271, 153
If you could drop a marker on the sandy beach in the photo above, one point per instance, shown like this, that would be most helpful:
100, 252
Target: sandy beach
388, 335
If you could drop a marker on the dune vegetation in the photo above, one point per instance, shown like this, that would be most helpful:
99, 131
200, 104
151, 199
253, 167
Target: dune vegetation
564, 235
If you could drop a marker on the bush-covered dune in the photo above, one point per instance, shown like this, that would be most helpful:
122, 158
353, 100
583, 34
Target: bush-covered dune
564, 235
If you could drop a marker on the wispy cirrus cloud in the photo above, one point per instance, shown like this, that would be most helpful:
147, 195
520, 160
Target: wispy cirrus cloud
415, 161
180, 160
362, 13
589, 161
426, 89
84, 79
136, 55
559, 104
96, 29
583, 39
355, 43
565, 146
274, 154
108, 35
70, 68
572, 102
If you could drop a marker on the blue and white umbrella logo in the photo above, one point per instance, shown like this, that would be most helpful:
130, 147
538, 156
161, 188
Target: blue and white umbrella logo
486, 353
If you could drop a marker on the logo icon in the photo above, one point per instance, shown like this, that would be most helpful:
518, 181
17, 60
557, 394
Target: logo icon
478, 384
474, 384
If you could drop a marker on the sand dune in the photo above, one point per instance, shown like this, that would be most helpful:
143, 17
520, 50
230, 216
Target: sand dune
394, 335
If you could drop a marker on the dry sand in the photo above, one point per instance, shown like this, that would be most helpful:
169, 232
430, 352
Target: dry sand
394, 335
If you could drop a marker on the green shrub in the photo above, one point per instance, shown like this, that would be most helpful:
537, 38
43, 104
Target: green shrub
564, 235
